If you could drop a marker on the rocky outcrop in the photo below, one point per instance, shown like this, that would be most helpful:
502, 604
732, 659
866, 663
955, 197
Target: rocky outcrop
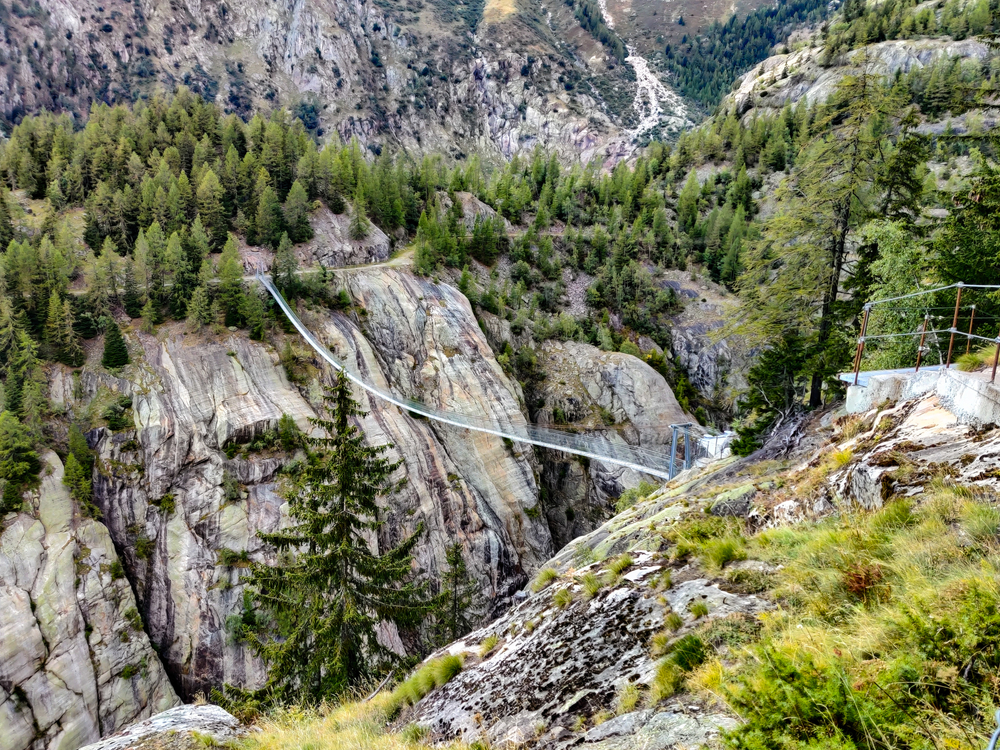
185, 516
75, 662
616, 396
784, 79
181, 727
715, 363
558, 661
332, 245
420, 340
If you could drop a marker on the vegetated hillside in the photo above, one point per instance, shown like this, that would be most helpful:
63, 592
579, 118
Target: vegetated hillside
809, 257
458, 78
839, 587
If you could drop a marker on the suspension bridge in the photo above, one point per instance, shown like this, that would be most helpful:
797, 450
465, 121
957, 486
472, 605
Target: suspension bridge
685, 449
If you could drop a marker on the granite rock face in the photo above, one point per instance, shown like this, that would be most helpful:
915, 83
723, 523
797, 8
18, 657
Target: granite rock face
176, 728
176, 506
563, 654
75, 663
613, 395
332, 245
784, 79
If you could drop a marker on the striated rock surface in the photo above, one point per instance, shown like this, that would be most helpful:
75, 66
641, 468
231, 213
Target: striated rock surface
783, 79
421, 341
614, 395
332, 245
178, 508
75, 663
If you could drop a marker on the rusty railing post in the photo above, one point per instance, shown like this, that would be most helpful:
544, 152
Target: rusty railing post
920, 348
972, 319
861, 343
996, 357
954, 324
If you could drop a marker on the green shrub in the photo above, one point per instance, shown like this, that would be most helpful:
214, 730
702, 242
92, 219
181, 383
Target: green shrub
144, 547
116, 569
166, 504
633, 495
232, 559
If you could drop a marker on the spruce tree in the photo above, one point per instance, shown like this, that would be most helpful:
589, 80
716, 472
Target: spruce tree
296, 211
199, 308
148, 324
458, 592
18, 460
72, 352
330, 592
6, 225
211, 209
115, 351
231, 282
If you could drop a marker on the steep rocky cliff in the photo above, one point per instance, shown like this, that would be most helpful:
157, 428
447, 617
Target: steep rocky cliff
75, 662
784, 79
494, 78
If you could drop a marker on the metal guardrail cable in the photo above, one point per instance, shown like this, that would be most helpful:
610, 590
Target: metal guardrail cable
597, 447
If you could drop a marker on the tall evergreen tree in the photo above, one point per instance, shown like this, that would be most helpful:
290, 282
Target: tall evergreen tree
454, 618
270, 221
211, 208
360, 226
6, 225
231, 282
115, 350
330, 592
296, 211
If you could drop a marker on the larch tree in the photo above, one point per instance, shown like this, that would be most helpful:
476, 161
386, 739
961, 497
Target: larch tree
296, 212
796, 272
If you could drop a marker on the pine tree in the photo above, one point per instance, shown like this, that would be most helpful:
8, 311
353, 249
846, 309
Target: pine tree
231, 282
252, 311
285, 268
77, 479
72, 352
18, 460
296, 211
211, 209
115, 350
330, 592
148, 324
6, 225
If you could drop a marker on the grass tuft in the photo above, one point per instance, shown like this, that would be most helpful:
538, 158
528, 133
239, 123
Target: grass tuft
563, 598
591, 584
543, 579
487, 645
433, 674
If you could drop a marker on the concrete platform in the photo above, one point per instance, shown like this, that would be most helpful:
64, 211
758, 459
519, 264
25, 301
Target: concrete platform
968, 395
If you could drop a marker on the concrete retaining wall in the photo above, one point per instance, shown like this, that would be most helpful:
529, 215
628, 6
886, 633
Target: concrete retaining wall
971, 399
